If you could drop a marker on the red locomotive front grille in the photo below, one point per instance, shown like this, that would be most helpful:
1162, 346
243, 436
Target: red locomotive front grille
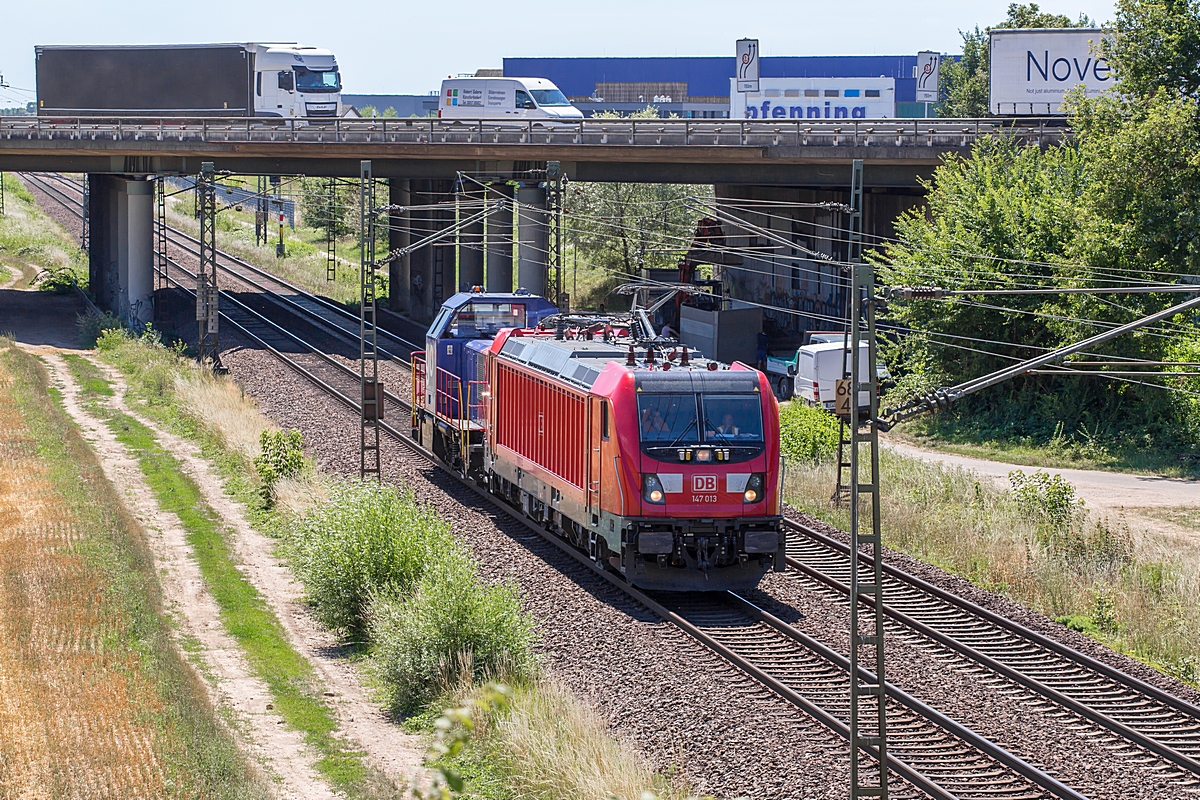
708, 491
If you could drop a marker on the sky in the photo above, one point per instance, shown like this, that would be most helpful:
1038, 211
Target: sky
405, 47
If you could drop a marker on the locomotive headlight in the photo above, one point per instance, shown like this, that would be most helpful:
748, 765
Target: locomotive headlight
652, 489
754, 488
704, 455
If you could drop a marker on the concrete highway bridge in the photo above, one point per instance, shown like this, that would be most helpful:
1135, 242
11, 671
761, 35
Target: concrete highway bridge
772, 162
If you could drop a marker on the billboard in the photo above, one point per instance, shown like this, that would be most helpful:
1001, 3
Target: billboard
1032, 70
815, 98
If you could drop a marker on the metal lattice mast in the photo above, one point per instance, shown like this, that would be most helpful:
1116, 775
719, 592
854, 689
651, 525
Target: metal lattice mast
206, 275
160, 233
841, 493
368, 353
260, 212
85, 229
330, 226
868, 701
554, 189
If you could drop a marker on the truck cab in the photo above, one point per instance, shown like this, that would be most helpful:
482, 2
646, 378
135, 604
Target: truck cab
294, 81
504, 98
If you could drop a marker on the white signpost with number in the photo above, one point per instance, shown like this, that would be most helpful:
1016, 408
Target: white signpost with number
927, 76
747, 65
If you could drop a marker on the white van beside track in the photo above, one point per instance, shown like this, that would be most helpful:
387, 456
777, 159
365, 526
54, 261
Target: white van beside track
504, 98
820, 366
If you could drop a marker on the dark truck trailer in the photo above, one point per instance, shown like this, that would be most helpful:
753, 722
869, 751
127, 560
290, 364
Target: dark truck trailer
150, 80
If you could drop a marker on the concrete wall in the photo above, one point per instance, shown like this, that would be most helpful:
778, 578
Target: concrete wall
811, 289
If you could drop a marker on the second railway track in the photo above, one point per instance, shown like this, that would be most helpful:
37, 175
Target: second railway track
930, 752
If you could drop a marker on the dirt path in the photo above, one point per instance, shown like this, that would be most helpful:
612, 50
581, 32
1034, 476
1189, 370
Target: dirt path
13, 274
1108, 491
396, 753
279, 749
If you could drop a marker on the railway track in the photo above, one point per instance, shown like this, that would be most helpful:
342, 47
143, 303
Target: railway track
1131, 709
929, 752
339, 321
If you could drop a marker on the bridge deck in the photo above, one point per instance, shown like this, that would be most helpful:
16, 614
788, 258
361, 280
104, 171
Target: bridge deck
683, 150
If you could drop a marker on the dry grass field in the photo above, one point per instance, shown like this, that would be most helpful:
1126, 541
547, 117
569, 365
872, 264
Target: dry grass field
95, 700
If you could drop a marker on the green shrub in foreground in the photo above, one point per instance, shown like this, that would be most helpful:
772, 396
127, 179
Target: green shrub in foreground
92, 326
282, 457
367, 540
807, 434
452, 627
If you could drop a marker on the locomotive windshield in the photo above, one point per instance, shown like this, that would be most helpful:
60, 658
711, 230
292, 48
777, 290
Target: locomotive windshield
668, 419
732, 418
483, 320
671, 419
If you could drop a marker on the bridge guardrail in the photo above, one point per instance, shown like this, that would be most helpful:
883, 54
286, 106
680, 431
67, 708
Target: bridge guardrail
938, 133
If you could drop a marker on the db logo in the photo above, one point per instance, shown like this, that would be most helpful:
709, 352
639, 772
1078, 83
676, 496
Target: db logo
704, 483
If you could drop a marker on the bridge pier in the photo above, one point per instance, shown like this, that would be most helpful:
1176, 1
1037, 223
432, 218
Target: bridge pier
121, 246
432, 266
533, 239
499, 244
470, 243
399, 275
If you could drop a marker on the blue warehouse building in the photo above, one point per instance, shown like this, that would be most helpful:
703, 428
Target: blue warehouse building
698, 86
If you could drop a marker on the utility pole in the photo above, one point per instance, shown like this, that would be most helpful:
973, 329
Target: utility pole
85, 229
1, 194
368, 352
331, 217
554, 197
280, 250
260, 212
841, 492
160, 233
866, 700
206, 275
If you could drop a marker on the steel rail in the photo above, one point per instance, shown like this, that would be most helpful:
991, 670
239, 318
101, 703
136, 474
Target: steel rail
1183, 728
740, 660
323, 303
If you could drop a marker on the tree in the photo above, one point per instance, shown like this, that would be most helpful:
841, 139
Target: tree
1156, 46
619, 229
964, 83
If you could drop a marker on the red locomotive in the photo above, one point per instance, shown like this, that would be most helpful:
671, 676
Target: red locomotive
653, 459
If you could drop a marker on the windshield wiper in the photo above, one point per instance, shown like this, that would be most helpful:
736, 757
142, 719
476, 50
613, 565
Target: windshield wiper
683, 433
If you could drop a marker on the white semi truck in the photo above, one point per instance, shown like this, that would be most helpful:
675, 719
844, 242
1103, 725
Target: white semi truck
219, 80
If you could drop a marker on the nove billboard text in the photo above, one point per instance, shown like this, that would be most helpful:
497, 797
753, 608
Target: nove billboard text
1032, 70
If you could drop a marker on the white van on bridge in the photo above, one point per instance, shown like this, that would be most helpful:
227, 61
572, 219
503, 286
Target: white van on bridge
504, 98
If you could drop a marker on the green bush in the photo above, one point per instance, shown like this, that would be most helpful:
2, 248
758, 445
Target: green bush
807, 434
1046, 496
59, 280
282, 457
91, 326
367, 541
452, 627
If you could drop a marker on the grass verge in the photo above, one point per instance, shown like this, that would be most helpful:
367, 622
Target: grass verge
387, 574
98, 696
33, 244
1134, 589
244, 613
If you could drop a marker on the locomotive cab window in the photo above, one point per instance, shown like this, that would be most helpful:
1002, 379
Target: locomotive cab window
484, 320
604, 420
667, 419
732, 418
